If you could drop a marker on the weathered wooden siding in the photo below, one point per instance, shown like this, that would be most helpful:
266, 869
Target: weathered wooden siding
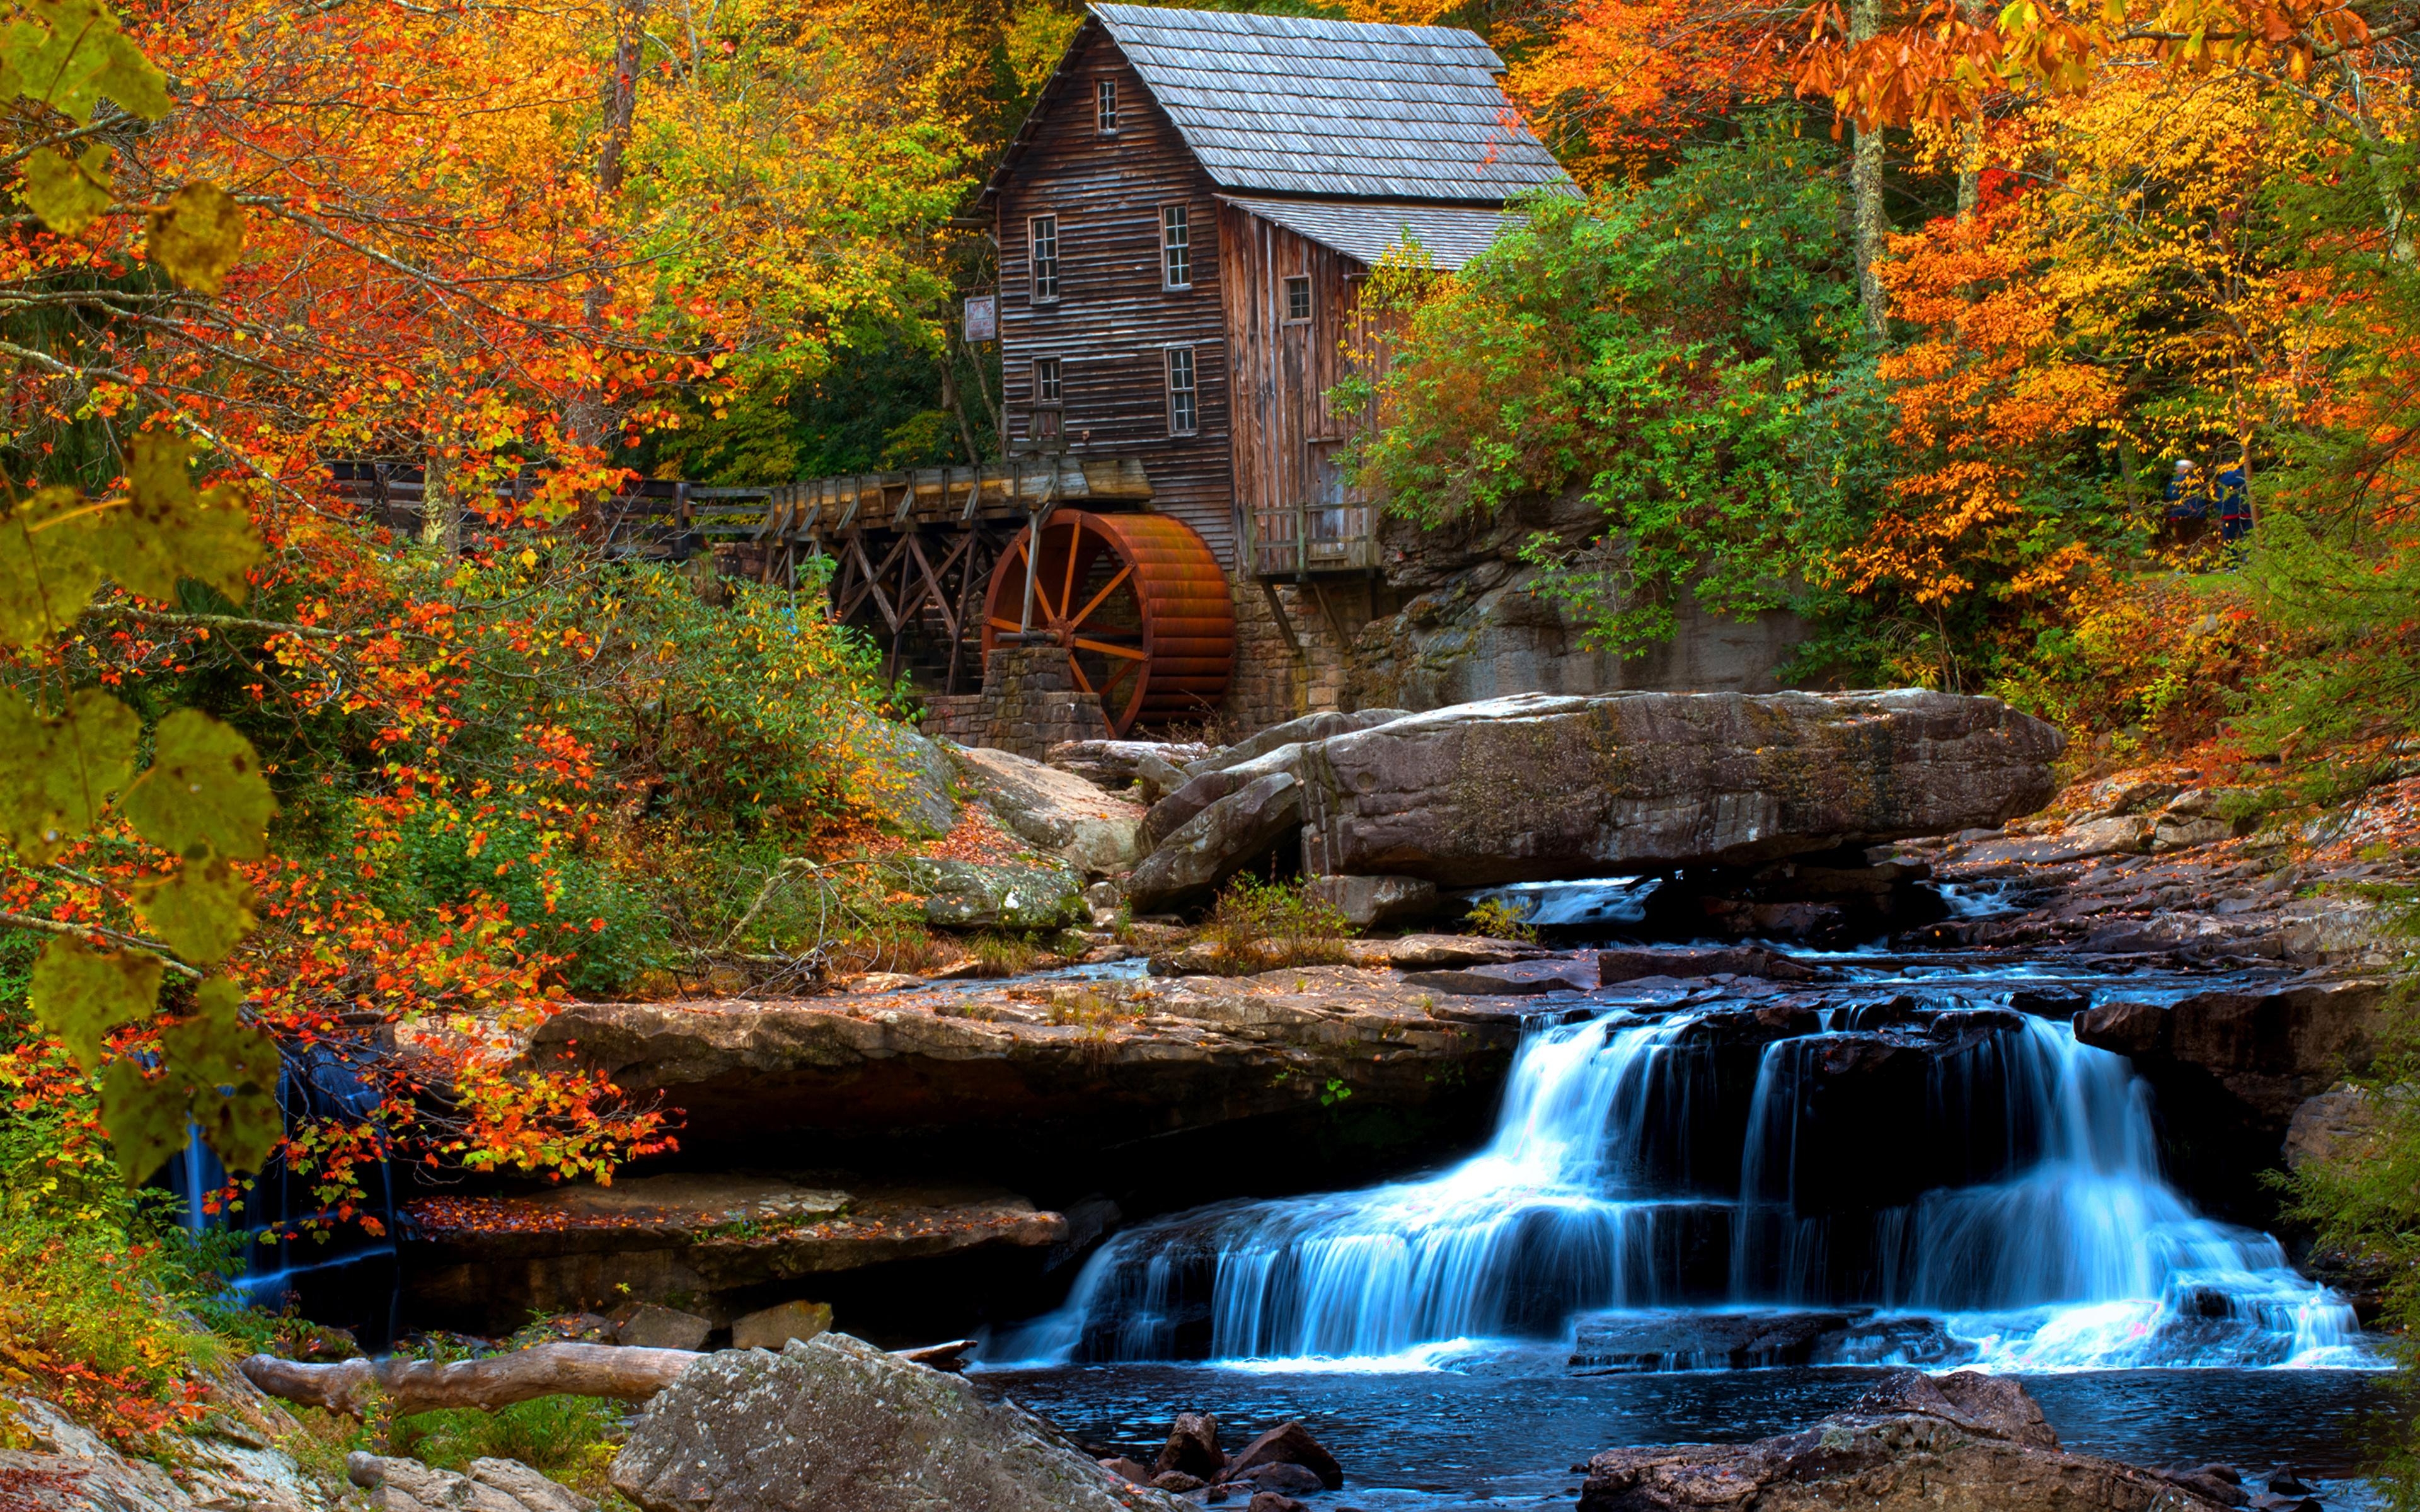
1283, 370
1113, 321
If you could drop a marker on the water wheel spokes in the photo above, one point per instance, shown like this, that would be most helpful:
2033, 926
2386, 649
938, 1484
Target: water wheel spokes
1136, 601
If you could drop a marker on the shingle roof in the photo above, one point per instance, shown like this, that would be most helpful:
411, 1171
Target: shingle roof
1450, 235
1294, 105
1291, 105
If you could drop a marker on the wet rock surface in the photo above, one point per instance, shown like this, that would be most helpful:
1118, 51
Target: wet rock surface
1914, 1441
1632, 1343
835, 1424
2232, 1066
489, 1262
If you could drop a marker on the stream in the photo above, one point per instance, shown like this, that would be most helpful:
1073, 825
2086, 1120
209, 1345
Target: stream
1710, 1212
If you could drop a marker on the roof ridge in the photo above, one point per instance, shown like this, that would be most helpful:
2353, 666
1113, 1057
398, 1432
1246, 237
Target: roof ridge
1244, 23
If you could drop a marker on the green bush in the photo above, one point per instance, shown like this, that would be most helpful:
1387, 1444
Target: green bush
571, 1438
1265, 926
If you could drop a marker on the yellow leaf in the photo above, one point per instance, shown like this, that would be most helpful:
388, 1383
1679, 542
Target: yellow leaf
196, 236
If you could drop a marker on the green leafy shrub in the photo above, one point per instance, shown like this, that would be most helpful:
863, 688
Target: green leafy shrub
571, 1438
1264, 926
1496, 919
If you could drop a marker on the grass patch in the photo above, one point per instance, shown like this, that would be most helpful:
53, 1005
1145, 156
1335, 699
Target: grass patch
1260, 926
570, 1439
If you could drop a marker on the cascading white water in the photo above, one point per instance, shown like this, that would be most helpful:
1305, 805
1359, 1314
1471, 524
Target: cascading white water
1624, 1173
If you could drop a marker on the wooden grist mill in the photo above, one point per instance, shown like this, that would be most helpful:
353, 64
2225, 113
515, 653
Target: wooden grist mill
1184, 227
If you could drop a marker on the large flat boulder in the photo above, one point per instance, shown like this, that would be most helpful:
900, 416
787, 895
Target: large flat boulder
1075, 1077
834, 1425
1054, 810
1221, 839
700, 1237
1539, 787
1966, 1443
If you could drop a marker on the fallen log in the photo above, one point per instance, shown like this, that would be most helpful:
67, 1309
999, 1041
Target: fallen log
951, 1357
404, 1386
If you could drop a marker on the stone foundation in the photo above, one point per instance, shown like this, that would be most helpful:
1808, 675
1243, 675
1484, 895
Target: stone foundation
954, 717
1030, 703
1278, 679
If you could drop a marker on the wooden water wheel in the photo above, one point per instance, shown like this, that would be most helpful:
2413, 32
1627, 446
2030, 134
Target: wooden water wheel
1138, 603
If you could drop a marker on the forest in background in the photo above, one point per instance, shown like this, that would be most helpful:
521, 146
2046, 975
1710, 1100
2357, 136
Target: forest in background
1900, 317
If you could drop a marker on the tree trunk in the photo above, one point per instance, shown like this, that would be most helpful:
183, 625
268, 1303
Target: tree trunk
441, 506
585, 416
2384, 170
1866, 187
1970, 170
407, 1387
956, 402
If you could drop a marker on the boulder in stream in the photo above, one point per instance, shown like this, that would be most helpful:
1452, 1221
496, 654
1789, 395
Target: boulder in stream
1913, 1443
1539, 787
834, 1425
1192, 1447
1289, 1443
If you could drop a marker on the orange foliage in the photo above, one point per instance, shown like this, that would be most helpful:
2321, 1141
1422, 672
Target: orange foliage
1634, 77
1985, 399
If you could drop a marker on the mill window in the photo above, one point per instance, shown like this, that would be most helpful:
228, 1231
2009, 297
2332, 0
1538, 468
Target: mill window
1297, 299
1105, 106
1176, 246
1183, 403
1047, 404
1042, 237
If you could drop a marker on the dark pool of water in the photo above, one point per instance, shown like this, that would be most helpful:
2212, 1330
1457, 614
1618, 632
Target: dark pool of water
1498, 1436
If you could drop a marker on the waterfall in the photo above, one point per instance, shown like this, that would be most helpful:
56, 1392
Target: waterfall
1980, 1169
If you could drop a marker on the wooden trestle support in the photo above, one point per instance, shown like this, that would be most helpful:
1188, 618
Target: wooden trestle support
931, 564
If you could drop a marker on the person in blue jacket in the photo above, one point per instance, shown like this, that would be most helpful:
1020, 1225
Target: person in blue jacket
2234, 505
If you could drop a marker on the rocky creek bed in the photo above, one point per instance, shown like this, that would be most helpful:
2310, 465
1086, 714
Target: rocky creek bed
1848, 1068
1508, 1428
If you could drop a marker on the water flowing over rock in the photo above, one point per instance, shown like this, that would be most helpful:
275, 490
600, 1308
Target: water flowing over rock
1913, 1443
1948, 1176
1540, 786
835, 1424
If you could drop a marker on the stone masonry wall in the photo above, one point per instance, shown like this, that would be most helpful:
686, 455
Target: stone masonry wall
1274, 681
1029, 703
